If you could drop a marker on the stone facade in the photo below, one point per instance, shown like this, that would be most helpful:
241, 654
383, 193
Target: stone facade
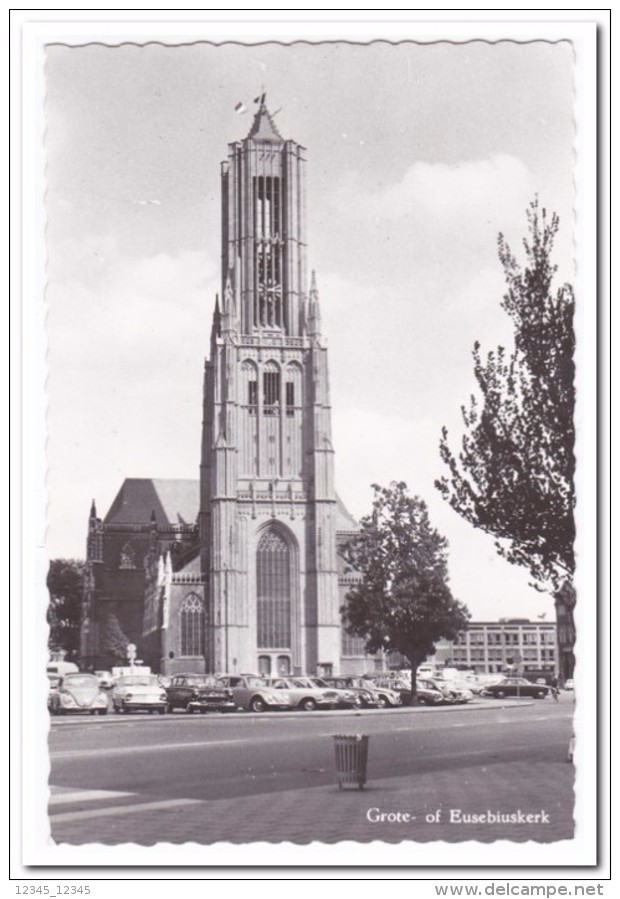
249, 579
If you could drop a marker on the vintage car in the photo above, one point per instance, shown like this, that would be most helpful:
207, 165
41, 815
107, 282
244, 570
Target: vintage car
428, 694
453, 691
139, 692
250, 692
77, 693
304, 694
347, 698
199, 693
365, 696
517, 686
391, 691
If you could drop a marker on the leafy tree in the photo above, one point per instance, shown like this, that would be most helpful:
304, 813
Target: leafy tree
513, 477
65, 582
114, 641
403, 601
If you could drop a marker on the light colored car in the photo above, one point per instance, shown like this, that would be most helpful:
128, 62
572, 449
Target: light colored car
364, 693
462, 693
139, 692
77, 693
459, 691
569, 684
347, 699
391, 691
250, 692
303, 693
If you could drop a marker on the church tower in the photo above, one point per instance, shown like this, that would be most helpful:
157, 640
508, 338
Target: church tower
267, 501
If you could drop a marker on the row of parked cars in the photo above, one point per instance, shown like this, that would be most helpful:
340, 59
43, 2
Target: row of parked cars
79, 691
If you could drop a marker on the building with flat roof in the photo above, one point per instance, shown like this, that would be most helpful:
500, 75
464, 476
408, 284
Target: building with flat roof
511, 644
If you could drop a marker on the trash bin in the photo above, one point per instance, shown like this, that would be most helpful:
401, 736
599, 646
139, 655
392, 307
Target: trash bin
351, 759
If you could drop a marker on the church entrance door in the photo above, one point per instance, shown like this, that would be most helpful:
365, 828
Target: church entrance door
274, 664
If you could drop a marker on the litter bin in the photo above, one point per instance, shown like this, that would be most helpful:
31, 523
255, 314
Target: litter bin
351, 759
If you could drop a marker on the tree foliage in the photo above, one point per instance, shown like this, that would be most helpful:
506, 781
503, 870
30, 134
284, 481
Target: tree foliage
114, 641
65, 583
514, 475
402, 601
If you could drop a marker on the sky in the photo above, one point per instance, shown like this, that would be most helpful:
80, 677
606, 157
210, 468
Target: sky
418, 155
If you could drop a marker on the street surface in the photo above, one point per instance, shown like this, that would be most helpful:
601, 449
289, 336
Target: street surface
243, 777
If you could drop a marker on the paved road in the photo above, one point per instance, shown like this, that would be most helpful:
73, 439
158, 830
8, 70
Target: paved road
142, 769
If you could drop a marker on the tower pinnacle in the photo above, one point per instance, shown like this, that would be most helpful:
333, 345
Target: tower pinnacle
263, 126
314, 309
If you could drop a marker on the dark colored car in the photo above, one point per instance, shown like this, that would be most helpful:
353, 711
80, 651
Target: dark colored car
517, 686
199, 693
429, 694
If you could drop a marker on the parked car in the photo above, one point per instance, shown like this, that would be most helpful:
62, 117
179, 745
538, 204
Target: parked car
250, 692
459, 693
473, 683
77, 693
106, 681
139, 692
391, 692
199, 693
428, 694
569, 684
303, 693
364, 692
347, 699
448, 697
517, 686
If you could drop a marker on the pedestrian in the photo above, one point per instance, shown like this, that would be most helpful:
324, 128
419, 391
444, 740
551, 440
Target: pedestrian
555, 688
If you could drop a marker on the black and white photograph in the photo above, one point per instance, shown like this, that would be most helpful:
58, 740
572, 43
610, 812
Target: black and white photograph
319, 381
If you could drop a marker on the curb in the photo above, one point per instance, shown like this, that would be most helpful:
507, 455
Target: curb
400, 710
480, 705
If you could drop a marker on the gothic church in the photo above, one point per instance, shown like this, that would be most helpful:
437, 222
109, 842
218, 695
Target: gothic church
240, 572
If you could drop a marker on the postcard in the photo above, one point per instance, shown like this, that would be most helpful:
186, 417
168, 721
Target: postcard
314, 338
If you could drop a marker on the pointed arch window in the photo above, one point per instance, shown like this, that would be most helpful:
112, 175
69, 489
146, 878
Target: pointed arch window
192, 628
273, 602
267, 252
271, 389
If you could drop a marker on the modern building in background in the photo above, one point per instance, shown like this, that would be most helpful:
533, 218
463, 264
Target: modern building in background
508, 645
240, 570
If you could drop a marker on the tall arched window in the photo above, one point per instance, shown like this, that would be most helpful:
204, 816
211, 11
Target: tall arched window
192, 616
273, 601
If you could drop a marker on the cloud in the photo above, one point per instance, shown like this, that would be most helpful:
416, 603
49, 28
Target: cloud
473, 190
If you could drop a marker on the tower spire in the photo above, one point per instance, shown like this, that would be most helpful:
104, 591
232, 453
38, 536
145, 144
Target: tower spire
216, 326
263, 126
